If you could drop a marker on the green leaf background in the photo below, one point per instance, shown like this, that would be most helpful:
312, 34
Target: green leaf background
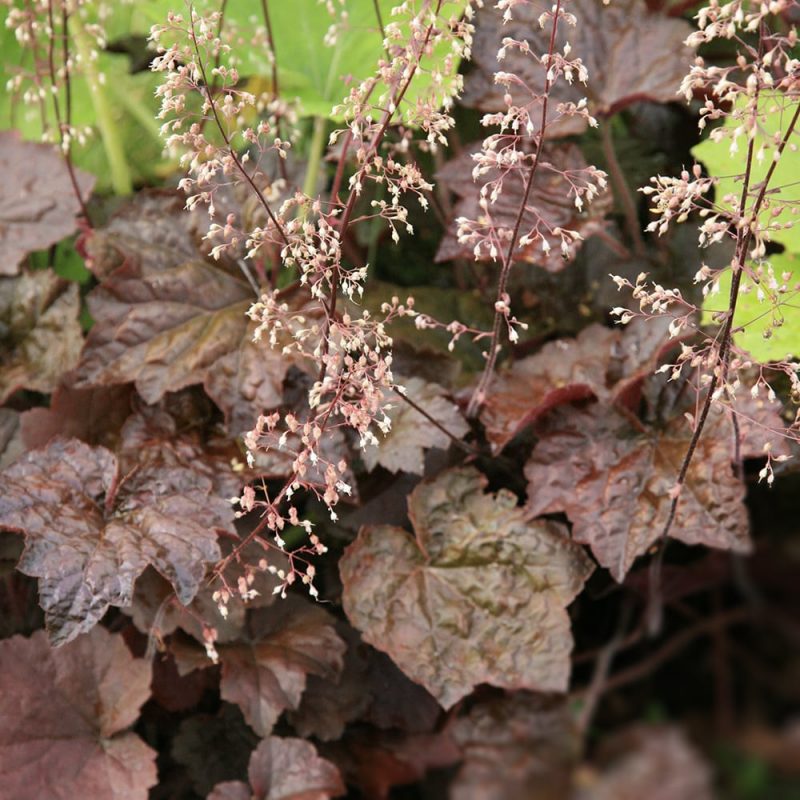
756, 317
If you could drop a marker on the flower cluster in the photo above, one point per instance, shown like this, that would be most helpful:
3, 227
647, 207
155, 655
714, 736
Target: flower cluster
517, 150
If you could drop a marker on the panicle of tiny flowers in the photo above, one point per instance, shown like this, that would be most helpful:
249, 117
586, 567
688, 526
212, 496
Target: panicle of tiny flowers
353, 397
515, 149
414, 86
222, 134
207, 118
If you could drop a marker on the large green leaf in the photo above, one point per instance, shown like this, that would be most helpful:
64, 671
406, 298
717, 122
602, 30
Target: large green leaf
129, 98
767, 326
308, 69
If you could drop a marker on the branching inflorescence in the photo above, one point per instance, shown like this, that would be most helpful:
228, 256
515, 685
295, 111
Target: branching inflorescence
346, 348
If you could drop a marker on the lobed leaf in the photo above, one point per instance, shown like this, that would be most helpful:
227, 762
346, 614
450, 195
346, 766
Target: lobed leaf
265, 673
38, 206
91, 531
65, 713
600, 362
613, 481
478, 596
153, 436
176, 319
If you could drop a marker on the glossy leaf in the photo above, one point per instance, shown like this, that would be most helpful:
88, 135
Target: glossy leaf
613, 480
90, 531
153, 436
478, 596
93, 415
65, 713
600, 362
176, 319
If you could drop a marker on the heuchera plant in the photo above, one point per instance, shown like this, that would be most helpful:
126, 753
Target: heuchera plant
241, 404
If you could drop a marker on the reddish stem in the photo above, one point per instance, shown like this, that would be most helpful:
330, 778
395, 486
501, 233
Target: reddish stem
479, 394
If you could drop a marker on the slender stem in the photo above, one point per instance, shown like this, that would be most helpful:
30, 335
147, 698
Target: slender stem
273, 53
65, 124
671, 648
602, 667
623, 191
315, 153
109, 130
420, 410
479, 394
276, 89
376, 6
337, 178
